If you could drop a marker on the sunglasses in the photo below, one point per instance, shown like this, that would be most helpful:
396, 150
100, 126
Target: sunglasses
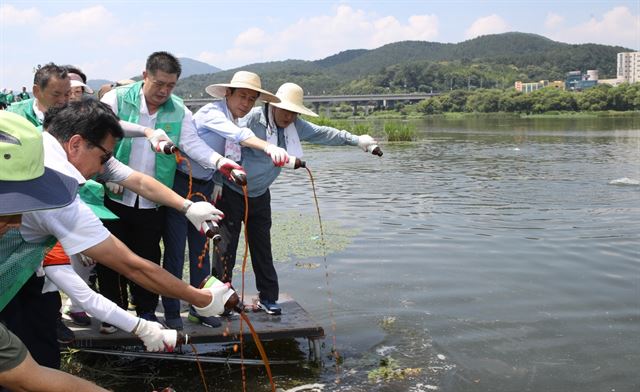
106, 156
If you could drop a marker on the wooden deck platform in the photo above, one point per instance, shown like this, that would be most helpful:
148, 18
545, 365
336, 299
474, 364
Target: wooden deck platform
294, 322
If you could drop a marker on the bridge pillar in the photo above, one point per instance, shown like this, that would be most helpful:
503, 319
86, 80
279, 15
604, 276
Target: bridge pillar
355, 108
316, 107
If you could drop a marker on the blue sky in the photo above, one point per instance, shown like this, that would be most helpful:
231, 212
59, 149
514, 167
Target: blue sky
111, 39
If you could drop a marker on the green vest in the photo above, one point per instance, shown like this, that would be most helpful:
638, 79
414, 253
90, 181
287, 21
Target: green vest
18, 261
25, 109
169, 118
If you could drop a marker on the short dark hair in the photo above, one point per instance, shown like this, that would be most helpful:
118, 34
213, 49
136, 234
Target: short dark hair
89, 118
48, 71
163, 61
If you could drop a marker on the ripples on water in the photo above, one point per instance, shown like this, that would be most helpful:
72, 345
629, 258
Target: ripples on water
510, 254
495, 256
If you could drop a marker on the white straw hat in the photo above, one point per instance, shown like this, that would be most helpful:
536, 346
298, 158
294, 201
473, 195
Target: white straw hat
291, 97
76, 81
242, 79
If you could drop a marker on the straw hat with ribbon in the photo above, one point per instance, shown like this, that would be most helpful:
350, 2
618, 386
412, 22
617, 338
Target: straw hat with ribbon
291, 97
242, 79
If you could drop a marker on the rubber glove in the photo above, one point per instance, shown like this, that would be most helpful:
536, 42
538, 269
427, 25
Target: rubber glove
200, 212
221, 292
114, 188
364, 141
226, 165
278, 155
217, 193
156, 137
150, 332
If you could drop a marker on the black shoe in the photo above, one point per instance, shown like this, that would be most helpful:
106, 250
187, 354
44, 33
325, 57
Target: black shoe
270, 307
173, 321
211, 322
64, 334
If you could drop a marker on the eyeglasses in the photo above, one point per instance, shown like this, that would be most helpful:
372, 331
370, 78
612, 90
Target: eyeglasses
106, 156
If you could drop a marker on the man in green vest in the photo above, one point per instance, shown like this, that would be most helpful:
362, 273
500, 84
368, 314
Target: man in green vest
150, 104
51, 87
3, 99
10, 97
24, 95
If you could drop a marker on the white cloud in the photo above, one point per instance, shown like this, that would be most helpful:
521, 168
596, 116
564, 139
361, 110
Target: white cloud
553, 20
618, 26
11, 16
252, 37
324, 35
82, 23
492, 24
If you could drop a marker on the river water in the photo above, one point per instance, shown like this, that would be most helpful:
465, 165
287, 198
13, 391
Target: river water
488, 255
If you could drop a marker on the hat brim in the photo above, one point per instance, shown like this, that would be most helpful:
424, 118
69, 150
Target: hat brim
50, 190
292, 107
77, 83
220, 90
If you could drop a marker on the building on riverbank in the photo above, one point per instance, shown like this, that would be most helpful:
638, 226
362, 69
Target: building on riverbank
629, 67
524, 87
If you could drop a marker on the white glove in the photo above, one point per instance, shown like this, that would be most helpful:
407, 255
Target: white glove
364, 141
226, 165
278, 155
202, 211
151, 335
217, 193
221, 292
86, 260
114, 188
156, 137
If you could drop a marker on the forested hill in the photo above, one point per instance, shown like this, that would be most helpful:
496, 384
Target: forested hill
487, 61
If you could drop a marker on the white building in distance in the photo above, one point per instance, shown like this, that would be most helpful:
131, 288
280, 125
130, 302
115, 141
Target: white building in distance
629, 67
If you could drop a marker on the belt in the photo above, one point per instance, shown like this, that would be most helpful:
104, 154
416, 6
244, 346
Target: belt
195, 180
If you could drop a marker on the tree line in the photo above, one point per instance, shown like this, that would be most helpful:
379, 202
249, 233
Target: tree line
624, 97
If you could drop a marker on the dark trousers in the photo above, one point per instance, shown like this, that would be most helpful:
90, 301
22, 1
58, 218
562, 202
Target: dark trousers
140, 230
259, 239
178, 230
32, 317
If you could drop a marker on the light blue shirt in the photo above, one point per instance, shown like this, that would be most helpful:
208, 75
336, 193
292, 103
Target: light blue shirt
261, 172
214, 123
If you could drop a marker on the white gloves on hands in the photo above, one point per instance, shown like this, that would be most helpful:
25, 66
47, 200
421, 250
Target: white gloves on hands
364, 141
225, 166
278, 155
151, 335
202, 211
220, 292
114, 188
156, 137
217, 193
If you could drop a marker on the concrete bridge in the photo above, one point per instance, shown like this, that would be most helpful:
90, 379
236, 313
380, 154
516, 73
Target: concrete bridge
368, 100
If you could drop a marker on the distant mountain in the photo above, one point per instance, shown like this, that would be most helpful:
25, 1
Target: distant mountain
95, 84
190, 67
488, 61
195, 67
